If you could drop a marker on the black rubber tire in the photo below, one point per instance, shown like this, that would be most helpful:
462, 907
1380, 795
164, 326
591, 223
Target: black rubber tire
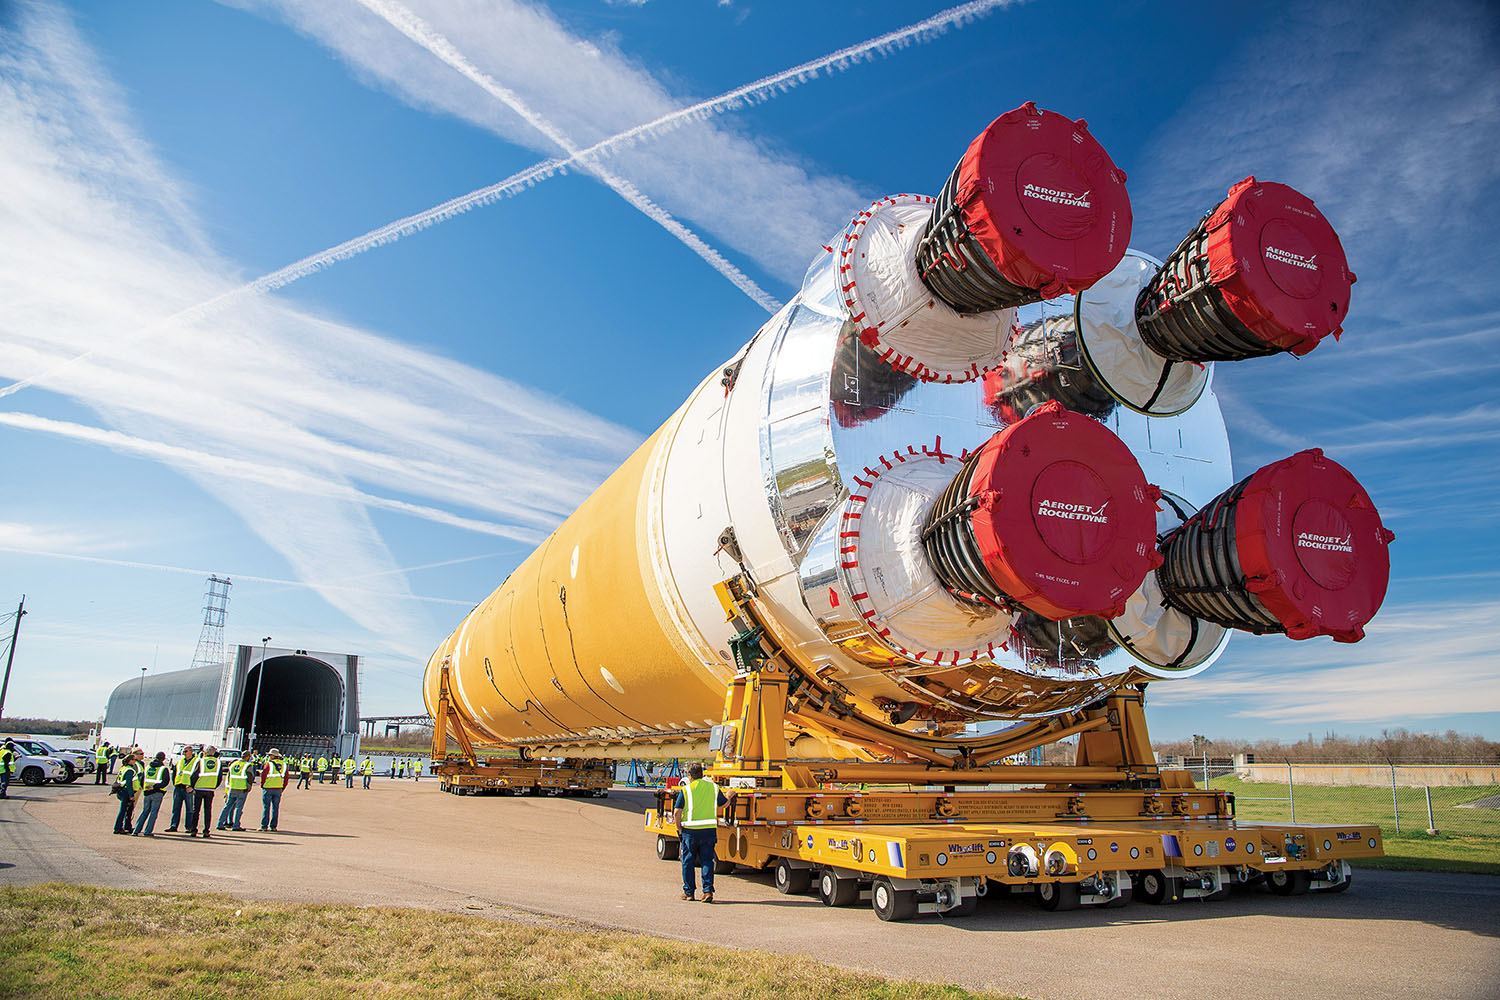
1155, 887
1057, 895
32, 777
668, 848
967, 908
835, 891
791, 881
722, 867
1289, 883
891, 903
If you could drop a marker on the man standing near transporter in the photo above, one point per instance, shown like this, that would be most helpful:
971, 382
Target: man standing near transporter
272, 783
182, 790
348, 772
158, 780
204, 777
239, 790
304, 771
695, 811
367, 769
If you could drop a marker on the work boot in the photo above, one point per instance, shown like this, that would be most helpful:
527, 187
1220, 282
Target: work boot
688, 896
194, 833
708, 897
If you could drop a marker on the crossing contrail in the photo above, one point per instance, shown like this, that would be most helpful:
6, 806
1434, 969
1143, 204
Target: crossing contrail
764, 89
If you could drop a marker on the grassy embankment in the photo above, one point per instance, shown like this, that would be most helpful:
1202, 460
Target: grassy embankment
1468, 839
71, 941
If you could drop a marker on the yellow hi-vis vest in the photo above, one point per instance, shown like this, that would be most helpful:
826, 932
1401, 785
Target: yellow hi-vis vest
348, 765
368, 767
700, 801
208, 773
275, 775
153, 776
7, 760
184, 769
101, 756
239, 776
322, 763
130, 778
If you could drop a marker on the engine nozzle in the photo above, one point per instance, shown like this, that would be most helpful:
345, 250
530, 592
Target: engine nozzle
1034, 209
1296, 547
1262, 273
1052, 513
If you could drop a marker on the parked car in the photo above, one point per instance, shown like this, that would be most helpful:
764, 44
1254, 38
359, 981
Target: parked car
36, 769
76, 762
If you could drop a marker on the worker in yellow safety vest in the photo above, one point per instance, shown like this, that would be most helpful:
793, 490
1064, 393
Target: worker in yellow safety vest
182, 791
158, 774
101, 762
205, 775
416, 769
7, 766
322, 767
304, 768
126, 787
349, 772
695, 811
239, 790
366, 769
272, 783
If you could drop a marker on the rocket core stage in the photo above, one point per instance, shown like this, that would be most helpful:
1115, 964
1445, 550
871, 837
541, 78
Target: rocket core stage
950, 468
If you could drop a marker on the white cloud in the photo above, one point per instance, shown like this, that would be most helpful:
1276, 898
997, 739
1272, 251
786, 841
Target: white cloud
259, 383
1415, 662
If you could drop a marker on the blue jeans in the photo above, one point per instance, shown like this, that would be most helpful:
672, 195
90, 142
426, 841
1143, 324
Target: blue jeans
234, 805
150, 805
127, 810
697, 852
367, 781
270, 807
182, 798
4, 784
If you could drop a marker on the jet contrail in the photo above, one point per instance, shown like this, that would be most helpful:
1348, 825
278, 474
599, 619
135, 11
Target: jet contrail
763, 89
292, 480
414, 28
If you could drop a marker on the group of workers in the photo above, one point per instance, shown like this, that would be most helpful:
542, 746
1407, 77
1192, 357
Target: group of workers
194, 776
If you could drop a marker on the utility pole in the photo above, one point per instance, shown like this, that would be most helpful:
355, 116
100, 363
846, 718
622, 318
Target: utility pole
11, 656
260, 682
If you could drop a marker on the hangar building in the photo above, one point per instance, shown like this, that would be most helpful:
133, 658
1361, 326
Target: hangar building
307, 701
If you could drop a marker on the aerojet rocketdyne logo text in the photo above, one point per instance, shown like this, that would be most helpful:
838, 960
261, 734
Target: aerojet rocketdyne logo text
1057, 197
1327, 543
1287, 257
1072, 511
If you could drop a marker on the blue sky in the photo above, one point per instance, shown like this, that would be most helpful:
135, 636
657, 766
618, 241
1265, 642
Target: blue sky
368, 449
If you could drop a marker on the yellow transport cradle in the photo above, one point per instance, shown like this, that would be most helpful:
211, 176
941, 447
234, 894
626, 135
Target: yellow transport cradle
917, 829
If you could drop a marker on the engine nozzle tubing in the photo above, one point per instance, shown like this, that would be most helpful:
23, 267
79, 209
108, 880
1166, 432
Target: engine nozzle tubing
970, 282
1182, 317
1201, 574
951, 547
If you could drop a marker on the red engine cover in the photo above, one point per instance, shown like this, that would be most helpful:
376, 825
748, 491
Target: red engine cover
1066, 521
1312, 547
1045, 201
1279, 265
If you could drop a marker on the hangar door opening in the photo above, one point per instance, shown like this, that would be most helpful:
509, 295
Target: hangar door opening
300, 699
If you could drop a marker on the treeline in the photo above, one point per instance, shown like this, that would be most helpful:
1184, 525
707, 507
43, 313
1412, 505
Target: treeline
46, 727
1392, 746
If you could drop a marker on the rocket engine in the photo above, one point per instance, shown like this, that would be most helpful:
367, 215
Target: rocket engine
974, 470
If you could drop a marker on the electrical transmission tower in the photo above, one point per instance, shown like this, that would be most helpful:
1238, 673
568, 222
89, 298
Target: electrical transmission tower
210, 652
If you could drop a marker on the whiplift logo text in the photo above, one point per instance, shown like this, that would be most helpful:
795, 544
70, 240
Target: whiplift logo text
1287, 257
1058, 197
1073, 511
1328, 543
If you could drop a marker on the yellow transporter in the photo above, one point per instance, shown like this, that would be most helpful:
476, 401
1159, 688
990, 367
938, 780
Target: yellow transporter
957, 484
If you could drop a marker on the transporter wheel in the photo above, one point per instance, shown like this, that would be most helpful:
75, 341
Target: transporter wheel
1126, 891
33, 777
835, 891
1285, 883
722, 867
1156, 887
891, 903
668, 848
789, 880
1057, 895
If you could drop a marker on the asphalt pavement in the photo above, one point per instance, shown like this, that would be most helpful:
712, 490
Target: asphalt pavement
589, 861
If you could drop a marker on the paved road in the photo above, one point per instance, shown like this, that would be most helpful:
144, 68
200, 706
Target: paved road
405, 844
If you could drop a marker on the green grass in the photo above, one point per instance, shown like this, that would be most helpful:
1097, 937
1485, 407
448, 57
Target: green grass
73, 941
1468, 840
